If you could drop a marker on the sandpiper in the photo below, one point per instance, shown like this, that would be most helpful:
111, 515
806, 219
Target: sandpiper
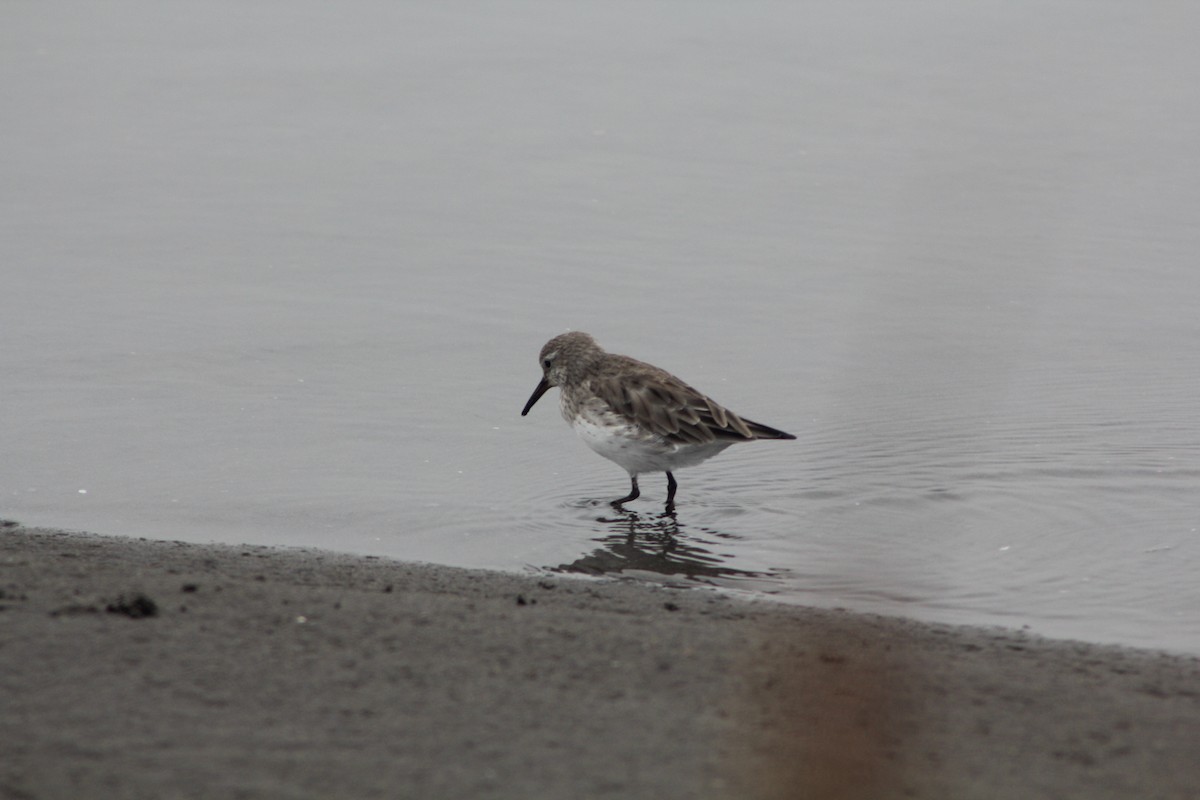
642, 417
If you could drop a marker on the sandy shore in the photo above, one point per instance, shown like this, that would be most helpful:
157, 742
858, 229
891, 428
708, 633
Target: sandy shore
141, 669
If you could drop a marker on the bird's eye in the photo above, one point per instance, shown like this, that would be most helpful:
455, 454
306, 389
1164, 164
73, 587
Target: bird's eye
546, 363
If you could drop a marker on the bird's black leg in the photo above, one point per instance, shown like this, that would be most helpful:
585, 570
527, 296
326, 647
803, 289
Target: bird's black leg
634, 493
671, 487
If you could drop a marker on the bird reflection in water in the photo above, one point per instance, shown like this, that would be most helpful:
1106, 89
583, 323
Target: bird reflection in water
633, 542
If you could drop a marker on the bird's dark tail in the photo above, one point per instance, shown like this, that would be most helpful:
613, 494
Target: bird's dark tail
761, 431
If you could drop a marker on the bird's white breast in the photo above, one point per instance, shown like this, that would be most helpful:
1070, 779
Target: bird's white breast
635, 450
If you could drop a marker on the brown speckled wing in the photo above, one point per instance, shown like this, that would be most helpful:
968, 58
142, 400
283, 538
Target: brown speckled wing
662, 404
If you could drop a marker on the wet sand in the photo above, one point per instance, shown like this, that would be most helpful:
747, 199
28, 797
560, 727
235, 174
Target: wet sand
136, 669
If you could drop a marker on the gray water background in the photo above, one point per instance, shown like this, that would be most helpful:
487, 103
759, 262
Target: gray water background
278, 273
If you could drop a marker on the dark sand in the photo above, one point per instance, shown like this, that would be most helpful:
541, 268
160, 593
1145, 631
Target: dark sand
297, 674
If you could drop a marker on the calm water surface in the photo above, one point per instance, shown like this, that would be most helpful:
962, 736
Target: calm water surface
279, 274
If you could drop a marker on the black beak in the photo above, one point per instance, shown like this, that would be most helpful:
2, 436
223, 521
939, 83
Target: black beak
537, 393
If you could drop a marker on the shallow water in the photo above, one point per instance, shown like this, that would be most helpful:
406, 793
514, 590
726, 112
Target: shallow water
279, 274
